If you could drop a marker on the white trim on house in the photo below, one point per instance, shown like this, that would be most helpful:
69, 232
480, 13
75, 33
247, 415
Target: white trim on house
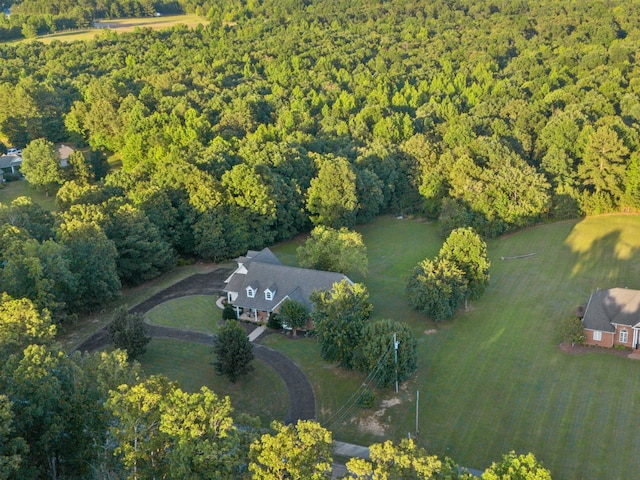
623, 336
597, 335
268, 294
251, 292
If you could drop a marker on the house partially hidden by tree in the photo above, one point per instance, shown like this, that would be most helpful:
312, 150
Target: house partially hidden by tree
261, 283
10, 163
612, 317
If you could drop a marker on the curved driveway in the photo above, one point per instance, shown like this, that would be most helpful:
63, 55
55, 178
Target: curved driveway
302, 401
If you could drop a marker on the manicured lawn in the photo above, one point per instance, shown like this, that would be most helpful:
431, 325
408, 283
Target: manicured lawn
72, 335
196, 312
22, 188
262, 393
492, 379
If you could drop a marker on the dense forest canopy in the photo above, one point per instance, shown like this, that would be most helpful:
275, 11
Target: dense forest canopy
279, 115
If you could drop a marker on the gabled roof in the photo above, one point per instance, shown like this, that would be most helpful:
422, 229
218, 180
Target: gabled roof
616, 306
264, 270
7, 161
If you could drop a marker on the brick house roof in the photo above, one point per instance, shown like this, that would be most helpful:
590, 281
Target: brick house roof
616, 306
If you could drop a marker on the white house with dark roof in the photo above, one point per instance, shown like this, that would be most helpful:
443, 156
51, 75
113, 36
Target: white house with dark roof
260, 283
10, 163
612, 317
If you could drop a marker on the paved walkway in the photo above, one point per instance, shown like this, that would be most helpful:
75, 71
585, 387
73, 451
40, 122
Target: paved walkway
253, 336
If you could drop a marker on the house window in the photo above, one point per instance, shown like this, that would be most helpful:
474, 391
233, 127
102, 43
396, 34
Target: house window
251, 292
268, 295
624, 336
597, 335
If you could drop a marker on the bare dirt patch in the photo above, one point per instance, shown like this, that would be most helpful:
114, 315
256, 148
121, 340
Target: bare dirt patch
431, 331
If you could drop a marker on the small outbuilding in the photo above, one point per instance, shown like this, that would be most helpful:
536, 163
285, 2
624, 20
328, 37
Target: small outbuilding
612, 317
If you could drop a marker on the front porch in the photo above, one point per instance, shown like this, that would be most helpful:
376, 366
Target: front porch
252, 315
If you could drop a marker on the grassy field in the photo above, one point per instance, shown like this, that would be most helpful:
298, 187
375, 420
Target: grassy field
120, 25
261, 393
196, 312
22, 188
492, 379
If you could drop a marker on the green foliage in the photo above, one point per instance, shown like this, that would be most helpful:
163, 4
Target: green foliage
24, 213
294, 451
128, 332
573, 331
334, 250
229, 312
331, 198
367, 399
517, 467
389, 460
293, 314
467, 251
274, 322
436, 288
339, 317
376, 352
21, 324
233, 352
41, 165
92, 260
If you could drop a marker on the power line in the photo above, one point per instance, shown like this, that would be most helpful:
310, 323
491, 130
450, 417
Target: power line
339, 415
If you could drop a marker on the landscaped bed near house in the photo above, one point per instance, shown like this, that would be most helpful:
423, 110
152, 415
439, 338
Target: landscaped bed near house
493, 379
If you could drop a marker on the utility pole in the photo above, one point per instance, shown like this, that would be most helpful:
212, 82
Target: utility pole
395, 346
417, 405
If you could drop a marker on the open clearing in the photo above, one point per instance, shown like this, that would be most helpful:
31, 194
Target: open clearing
492, 379
120, 25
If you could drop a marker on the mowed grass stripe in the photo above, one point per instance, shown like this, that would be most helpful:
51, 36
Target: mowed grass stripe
493, 379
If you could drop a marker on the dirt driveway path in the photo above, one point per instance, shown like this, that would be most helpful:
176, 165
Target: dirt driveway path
302, 400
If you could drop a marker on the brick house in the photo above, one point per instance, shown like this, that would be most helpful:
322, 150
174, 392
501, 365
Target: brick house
260, 283
612, 317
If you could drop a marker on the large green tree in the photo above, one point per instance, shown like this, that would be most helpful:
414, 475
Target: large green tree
233, 352
128, 332
332, 199
388, 460
41, 165
293, 451
377, 354
436, 288
464, 248
339, 317
334, 250
293, 314
517, 467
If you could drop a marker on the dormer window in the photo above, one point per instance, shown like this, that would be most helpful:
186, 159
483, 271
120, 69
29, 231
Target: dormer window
268, 294
251, 292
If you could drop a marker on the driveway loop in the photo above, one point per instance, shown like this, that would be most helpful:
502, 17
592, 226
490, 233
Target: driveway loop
302, 399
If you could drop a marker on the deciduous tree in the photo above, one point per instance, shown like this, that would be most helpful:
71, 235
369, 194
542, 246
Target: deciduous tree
233, 352
334, 250
41, 165
388, 461
376, 353
436, 288
464, 248
517, 467
339, 317
128, 332
294, 451
293, 314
